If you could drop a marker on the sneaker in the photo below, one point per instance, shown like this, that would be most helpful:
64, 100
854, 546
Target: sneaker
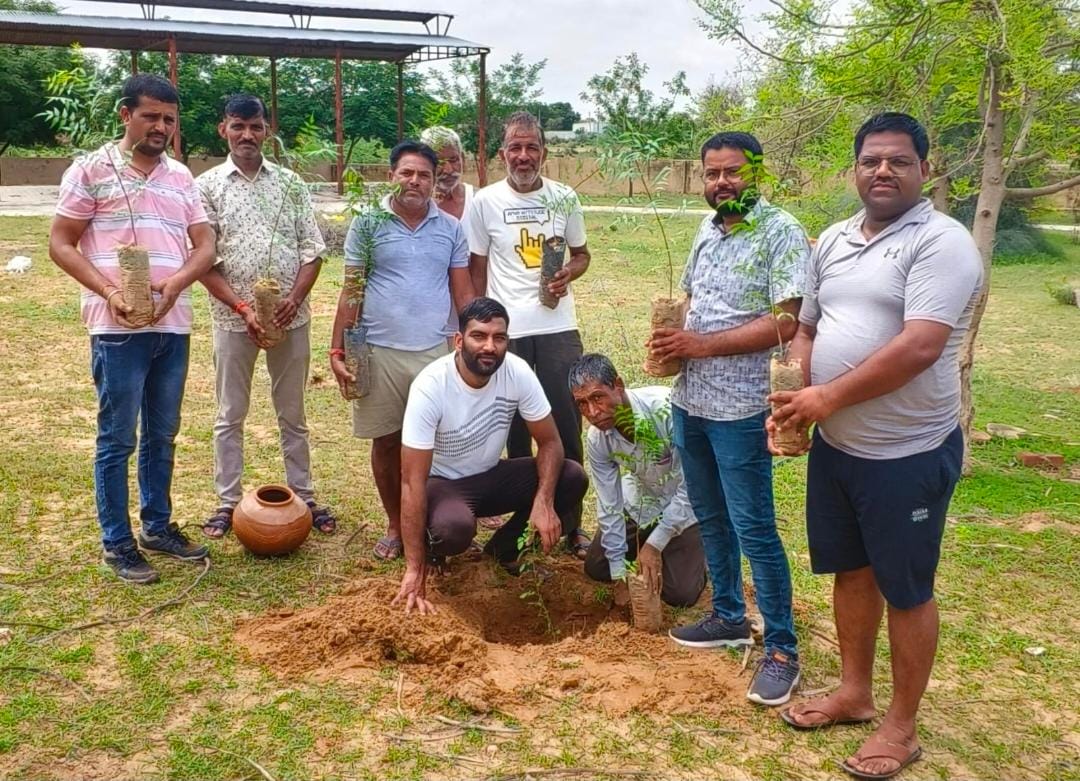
129, 565
172, 542
713, 632
775, 678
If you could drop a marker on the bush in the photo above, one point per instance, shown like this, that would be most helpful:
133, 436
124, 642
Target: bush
1017, 240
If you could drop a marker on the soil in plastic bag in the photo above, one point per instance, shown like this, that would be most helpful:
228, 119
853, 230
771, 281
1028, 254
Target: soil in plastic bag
645, 607
358, 362
267, 298
787, 376
666, 313
135, 284
552, 262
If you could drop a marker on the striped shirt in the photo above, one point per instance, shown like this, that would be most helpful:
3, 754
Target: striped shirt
728, 280
165, 204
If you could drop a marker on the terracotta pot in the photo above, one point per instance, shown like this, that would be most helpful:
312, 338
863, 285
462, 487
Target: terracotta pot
271, 521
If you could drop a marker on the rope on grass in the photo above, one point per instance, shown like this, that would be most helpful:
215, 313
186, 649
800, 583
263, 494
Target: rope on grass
132, 619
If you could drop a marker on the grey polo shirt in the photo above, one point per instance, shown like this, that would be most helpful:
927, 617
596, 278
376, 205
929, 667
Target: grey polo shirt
728, 279
408, 292
924, 266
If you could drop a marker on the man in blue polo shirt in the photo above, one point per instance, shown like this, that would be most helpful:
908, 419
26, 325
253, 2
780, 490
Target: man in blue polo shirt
420, 264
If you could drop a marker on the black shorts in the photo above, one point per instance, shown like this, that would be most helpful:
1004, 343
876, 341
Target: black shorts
886, 514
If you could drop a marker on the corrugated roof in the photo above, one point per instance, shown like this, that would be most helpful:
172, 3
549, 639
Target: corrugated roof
100, 32
293, 9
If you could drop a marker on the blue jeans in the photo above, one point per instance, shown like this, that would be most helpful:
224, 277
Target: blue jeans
728, 473
139, 378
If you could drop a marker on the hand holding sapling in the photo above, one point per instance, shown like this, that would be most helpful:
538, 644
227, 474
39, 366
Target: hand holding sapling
669, 343
344, 377
798, 409
650, 566
546, 522
286, 311
776, 449
559, 285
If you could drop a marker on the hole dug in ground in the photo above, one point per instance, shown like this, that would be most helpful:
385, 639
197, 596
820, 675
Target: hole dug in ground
493, 646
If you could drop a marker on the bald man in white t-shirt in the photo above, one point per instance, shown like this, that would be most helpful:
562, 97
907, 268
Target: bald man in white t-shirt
456, 423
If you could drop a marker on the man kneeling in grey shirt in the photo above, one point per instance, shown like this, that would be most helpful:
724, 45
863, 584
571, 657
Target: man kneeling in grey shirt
642, 508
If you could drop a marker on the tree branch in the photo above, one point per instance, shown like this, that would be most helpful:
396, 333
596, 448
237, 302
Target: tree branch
1024, 193
1034, 157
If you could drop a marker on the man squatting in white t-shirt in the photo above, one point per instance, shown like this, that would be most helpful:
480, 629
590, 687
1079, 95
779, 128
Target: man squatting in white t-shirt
456, 424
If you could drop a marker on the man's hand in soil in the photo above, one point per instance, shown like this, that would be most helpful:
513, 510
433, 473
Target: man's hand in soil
651, 567
337, 366
119, 309
620, 593
285, 312
667, 343
800, 408
770, 441
413, 591
559, 285
168, 291
546, 523
255, 331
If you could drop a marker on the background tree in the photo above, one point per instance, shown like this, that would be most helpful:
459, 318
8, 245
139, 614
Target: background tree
996, 82
23, 70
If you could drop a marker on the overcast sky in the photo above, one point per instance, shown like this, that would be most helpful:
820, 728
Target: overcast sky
577, 37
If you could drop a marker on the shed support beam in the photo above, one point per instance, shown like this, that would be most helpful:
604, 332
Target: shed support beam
339, 123
273, 104
400, 101
481, 123
134, 63
173, 78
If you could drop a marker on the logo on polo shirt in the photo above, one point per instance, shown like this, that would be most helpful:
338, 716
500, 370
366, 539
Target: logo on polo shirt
920, 515
892, 253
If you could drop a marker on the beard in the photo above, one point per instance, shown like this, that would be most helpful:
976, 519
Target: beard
150, 146
741, 204
483, 365
524, 179
446, 185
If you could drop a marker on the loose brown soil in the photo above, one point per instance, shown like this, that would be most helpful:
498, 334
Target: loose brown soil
267, 298
135, 284
491, 648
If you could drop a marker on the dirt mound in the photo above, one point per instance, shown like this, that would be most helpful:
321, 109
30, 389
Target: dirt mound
495, 644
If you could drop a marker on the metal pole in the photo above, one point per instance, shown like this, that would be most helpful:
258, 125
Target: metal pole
400, 101
273, 98
481, 123
173, 79
134, 62
339, 128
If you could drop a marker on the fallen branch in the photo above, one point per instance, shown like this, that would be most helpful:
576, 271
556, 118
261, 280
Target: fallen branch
48, 674
131, 619
354, 535
29, 624
444, 735
822, 636
261, 770
498, 730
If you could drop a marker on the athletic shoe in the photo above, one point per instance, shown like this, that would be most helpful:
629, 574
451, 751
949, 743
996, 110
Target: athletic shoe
713, 632
775, 678
129, 565
172, 542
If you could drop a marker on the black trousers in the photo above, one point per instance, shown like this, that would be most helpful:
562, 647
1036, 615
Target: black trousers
508, 487
551, 356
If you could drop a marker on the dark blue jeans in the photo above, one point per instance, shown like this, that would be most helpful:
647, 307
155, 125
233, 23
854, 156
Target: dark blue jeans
139, 379
729, 481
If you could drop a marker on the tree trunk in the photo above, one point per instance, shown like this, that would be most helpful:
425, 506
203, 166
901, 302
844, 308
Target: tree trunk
983, 230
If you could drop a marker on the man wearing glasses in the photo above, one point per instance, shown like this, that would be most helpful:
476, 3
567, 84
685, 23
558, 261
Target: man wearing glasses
890, 295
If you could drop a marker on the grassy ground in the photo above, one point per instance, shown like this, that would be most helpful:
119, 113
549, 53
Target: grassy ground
170, 696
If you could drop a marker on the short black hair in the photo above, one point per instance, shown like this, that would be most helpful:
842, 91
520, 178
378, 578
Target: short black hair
483, 310
410, 147
732, 140
150, 85
894, 122
592, 367
245, 106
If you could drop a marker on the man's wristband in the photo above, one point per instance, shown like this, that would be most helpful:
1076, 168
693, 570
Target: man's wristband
337, 351
241, 307
108, 298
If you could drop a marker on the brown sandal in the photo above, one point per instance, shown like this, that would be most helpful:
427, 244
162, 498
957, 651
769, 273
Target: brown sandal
831, 719
897, 752
217, 525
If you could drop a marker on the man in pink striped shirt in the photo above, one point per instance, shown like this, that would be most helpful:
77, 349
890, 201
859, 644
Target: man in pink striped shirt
131, 192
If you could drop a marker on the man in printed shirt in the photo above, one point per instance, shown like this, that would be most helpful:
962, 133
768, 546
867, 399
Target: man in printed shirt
243, 197
509, 223
647, 503
139, 373
747, 265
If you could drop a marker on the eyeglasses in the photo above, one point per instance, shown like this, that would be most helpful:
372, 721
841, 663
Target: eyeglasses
713, 176
868, 166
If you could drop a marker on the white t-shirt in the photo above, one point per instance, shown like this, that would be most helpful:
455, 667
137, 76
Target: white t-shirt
467, 427
510, 228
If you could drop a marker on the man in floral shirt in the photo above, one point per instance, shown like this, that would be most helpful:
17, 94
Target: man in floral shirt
265, 229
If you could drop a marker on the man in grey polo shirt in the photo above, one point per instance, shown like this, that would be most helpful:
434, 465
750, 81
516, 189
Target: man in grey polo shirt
420, 265
890, 295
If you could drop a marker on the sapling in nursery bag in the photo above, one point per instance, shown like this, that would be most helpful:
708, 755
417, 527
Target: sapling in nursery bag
666, 313
551, 264
357, 362
787, 375
135, 284
267, 298
645, 605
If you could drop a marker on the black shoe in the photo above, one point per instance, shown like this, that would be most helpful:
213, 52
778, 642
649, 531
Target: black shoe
713, 632
172, 542
129, 565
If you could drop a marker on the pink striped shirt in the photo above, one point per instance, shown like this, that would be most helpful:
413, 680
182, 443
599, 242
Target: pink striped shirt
166, 203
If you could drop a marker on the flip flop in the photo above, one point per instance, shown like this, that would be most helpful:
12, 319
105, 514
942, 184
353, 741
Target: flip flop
578, 542
388, 548
831, 719
903, 757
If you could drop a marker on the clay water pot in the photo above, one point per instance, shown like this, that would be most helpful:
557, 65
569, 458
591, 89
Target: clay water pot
271, 521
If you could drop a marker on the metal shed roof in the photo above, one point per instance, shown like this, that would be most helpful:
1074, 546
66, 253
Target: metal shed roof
291, 8
226, 38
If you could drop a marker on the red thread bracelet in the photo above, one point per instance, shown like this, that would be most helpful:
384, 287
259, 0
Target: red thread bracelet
241, 307
339, 352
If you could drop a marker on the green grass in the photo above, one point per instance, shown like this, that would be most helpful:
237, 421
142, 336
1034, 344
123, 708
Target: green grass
171, 696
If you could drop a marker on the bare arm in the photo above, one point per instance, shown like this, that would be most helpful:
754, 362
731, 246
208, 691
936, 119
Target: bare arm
216, 284
461, 288
64, 250
549, 464
290, 303
574, 268
757, 335
199, 261
900, 360
415, 466
348, 308
478, 270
